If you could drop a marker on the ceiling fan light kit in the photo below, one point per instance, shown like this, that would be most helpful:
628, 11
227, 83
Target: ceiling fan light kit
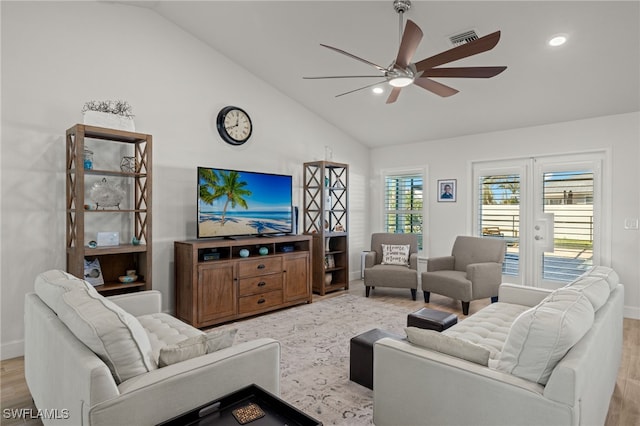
402, 72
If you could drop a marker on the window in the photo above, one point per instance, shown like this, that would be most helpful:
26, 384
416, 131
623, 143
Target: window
569, 196
403, 212
499, 214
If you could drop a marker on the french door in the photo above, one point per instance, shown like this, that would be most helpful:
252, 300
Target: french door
548, 210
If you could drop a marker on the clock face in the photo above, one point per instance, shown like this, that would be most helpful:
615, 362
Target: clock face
234, 125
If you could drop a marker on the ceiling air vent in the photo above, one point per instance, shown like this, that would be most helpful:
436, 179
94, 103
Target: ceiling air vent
463, 38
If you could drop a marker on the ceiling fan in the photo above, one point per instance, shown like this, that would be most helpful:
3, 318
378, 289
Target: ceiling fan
402, 72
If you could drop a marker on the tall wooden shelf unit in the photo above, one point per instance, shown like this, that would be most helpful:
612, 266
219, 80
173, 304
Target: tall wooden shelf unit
114, 260
326, 219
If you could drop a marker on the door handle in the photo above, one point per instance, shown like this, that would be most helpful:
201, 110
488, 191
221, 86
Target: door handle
262, 284
261, 266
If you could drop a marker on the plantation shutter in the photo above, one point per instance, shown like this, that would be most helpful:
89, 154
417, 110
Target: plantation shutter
403, 211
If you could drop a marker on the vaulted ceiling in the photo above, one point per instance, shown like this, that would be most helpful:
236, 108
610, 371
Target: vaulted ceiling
596, 73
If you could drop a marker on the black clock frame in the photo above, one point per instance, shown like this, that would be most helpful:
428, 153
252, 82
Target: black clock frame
223, 132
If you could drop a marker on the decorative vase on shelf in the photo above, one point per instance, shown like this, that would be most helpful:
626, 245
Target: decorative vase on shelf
328, 277
107, 119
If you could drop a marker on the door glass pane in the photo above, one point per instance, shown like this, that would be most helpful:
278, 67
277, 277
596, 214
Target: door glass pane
499, 215
403, 205
569, 196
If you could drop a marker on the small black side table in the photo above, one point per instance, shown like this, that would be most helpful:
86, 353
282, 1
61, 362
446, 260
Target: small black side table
431, 319
361, 355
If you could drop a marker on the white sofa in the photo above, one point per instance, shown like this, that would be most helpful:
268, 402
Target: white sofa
75, 386
414, 385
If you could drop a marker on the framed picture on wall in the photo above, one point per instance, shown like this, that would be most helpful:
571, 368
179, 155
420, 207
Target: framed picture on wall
447, 191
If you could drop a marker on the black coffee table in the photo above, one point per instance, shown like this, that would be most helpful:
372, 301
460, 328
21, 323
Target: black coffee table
219, 412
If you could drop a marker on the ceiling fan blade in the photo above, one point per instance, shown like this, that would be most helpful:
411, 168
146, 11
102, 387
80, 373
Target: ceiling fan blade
480, 45
378, 67
464, 72
410, 41
361, 88
393, 96
435, 87
341, 76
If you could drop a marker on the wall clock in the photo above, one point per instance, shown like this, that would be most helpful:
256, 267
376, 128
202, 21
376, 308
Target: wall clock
234, 125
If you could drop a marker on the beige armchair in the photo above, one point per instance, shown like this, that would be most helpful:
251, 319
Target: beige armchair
473, 271
380, 274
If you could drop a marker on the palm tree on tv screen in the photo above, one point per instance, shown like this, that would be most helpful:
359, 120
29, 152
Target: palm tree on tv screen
225, 184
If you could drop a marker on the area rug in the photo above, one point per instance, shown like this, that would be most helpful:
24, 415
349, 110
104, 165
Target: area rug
315, 353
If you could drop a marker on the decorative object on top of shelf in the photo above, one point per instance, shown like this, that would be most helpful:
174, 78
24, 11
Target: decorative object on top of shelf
87, 158
135, 241
447, 191
234, 125
129, 164
263, 251
92, 244
244, 253
105, 194
111, 114
339, 228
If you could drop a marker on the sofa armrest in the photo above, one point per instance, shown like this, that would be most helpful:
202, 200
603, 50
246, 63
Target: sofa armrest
440, 263
486, 278
370, 259
413, 261
139, 303
169, 391
416, 386
522, 295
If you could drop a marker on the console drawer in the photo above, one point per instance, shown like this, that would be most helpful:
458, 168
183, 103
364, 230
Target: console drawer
260, 284
253, 267
259, 302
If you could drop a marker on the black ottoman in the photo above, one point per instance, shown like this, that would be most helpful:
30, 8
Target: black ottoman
431, 319
361, 355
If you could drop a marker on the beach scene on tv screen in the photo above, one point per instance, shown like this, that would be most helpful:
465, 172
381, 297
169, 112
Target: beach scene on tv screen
242, 203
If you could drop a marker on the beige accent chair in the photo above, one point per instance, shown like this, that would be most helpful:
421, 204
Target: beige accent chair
377, 274
473, 271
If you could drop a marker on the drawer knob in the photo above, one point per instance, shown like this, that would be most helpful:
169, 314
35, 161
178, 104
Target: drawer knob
261, 266
261, 301
261, 284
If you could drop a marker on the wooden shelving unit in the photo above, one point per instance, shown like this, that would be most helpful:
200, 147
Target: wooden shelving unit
216, 284
326, 219
114, 260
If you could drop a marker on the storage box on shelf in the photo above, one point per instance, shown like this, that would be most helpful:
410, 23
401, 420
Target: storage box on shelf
325, 218
223, 280
132, 215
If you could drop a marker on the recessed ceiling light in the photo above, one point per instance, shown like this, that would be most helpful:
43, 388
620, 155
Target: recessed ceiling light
558, 40
377, 90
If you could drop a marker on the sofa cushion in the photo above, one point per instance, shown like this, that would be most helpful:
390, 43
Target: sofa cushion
173, 341
395, 254
542, 335
51, 285
595, 288
488, 327
448, 345
165, 330
196, 346
110, 332
608, 274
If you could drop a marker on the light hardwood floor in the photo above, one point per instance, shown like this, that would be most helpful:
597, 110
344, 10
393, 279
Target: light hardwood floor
624, 409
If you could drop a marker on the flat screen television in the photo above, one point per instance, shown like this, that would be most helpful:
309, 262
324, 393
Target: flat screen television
238, 203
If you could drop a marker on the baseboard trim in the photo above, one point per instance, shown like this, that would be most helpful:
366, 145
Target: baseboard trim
12, 350
632, 312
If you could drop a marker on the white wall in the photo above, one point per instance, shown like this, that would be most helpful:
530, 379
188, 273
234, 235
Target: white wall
58, 55
451, 158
